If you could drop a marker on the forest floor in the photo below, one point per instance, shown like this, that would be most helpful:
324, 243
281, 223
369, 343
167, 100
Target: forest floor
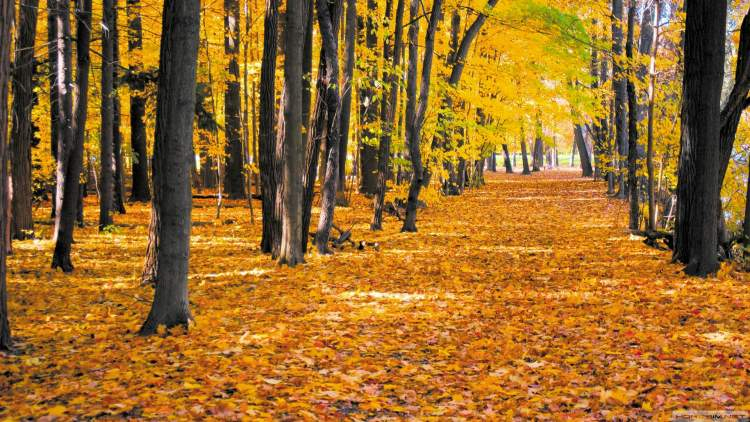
525, 298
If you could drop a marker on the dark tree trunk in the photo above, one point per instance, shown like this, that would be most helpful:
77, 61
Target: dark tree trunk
22, 131
118, 198
291, 252
524, 156
698, 175
620, 87
107, 162
583, 152
329, 18
746, 222
7, 11
267, 138
415, 111
632, 123
652, 211
173, 153
234, 176
538, 154
508, 164
71, 127
52, 77
347, 86
493, 162
389, 114
368, 153
140, 191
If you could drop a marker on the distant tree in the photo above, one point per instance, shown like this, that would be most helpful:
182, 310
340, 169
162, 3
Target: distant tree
234, 176
140, 191
350, 42
368, 109
106, 140
632, 121
173, 153
619, 85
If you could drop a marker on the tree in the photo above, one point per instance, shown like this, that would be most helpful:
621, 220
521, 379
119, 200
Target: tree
328, 20
267, 137
71, 127
415, 113
389, 106
22, 130
632, 121
506, 160
651, 104
698, 173
350, 42
173, 152
140, 191
7, 11
619, 84
118, 194
291, 252
107, 162
368, 109
234, 179
583, 152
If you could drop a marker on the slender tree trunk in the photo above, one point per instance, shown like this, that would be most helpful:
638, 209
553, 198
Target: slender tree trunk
652, 212
71, 127
583, 153
350, 42
267, 138
52, 79
632, 122
387, 123
621, 95
173, 152
118, 198
234, 183
524, 155
7, 11
140, 191
369, 109
107, 163
415, 111
329, 21
698, 175
22, 131
508, 164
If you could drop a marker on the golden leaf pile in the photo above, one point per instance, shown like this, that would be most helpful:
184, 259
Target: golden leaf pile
524, 298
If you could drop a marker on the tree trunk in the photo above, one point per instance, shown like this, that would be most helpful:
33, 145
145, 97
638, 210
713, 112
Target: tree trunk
415, 111
524, 156
118, 198
7, 11
107, 164
632, 123
583, 152
620, 87
234, 180
267, 138
652, 212
71, 128
538, 154
329, 18
22, 131
369, 110
52, 79
387, 123
291, 252
140, 191
347, 86
698, 175
173, 152
508, 164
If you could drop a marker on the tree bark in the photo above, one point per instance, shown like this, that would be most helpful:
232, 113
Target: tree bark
368, 152
652, 211
387, 123
508, 164
350, 42
22, 130
107, 163
291, 252
71, 127
619, 85
234, 177
267, 138
583, 153
52, 79
140, 191
118, 196
524, 155
698, 175
173, 152
632, 122
7, 11
415, 111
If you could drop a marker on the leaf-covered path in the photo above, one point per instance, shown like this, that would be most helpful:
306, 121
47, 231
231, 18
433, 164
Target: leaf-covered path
526, 297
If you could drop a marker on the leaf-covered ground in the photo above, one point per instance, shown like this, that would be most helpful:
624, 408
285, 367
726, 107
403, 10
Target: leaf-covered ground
525, 298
